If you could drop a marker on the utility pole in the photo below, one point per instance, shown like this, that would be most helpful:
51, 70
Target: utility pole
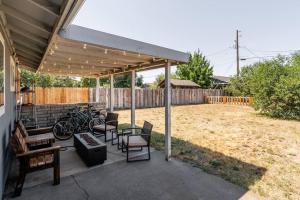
237, 47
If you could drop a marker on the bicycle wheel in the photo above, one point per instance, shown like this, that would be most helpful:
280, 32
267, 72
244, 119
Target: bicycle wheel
63, 129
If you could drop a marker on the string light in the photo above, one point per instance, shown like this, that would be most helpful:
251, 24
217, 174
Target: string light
105, 51
55, 46
124, 53
139, 55
84, 46
54, 64
69, 58
87, 62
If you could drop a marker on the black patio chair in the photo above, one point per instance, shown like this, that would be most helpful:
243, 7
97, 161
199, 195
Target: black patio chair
141, 138
104, 124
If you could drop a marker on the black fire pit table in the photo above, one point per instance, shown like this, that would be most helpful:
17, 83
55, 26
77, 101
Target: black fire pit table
90, 149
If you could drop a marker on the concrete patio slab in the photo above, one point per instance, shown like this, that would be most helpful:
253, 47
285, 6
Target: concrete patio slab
70, 164
154, 179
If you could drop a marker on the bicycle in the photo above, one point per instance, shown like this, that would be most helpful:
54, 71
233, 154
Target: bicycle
77, 121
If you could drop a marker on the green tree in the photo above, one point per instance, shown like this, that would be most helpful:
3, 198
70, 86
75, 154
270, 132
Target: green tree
44, 80
27, 78
274, 84
65, 81
198, 70
124, 81
139, 81
88, 82
240, 85
47, 80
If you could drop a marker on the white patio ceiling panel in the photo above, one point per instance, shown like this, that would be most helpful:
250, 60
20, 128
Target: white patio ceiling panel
85, 52
30, 25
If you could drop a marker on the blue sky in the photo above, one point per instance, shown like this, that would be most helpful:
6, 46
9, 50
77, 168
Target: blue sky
268, 27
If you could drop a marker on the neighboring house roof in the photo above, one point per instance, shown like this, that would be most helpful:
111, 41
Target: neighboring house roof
221, 79
181, 83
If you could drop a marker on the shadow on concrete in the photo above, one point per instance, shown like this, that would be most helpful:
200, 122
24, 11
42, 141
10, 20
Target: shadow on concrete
157, 179
216, 163
70, 164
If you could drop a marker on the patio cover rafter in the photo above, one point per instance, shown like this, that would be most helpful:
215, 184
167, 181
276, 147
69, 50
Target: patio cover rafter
89, 48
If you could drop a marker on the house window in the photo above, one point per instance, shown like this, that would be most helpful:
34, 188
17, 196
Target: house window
2, 76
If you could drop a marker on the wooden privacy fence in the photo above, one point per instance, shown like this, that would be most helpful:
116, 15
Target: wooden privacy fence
229, 100
56, 95
149, 98
145, 98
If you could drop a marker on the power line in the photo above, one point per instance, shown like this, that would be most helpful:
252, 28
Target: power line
276, 51
229, 66
258, 57
251, 52
219, 52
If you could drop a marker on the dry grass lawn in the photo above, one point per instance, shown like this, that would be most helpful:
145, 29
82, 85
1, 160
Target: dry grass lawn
234, 142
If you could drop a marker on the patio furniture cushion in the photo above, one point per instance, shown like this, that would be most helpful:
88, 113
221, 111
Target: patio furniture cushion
102, 127
41, 160
134, 141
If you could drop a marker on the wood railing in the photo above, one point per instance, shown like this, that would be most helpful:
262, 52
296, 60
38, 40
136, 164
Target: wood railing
229, 100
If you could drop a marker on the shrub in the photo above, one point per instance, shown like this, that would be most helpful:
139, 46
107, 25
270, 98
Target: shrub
274, 84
